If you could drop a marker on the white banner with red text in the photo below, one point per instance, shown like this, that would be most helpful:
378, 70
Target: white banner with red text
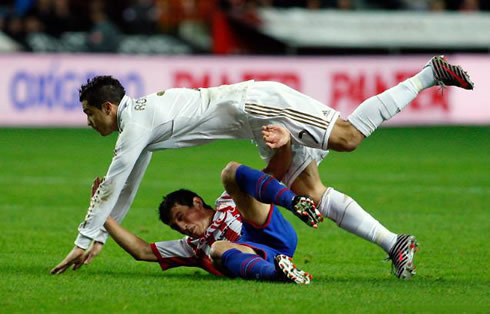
42, 90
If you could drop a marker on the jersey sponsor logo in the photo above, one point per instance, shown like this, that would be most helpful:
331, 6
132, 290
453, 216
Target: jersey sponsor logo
300, 135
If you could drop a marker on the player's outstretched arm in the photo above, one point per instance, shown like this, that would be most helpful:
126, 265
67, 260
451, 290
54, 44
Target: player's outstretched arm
78, 256
96, 247
135, 246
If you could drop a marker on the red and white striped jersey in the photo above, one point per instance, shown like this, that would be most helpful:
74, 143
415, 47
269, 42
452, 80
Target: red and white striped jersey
188, 251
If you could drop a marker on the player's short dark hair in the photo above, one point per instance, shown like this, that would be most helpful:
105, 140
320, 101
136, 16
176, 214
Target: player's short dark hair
181, 197
100, 89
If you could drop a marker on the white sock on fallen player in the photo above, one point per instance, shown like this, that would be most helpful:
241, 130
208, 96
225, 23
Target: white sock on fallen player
349, 216
374, 110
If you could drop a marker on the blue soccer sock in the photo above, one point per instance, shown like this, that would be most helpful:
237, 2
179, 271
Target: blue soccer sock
263, 187
248, 266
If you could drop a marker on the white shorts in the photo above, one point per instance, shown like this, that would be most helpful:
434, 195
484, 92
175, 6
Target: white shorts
309, 121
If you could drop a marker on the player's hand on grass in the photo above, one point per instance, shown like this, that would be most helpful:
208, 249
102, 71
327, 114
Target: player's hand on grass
275, 136
79, 257
73, 258
90, 254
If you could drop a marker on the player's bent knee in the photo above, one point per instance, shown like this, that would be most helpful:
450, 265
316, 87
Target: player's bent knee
228, 172
345, 137
218, 248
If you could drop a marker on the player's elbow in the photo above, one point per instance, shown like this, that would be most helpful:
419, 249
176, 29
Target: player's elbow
137, 256
143, 253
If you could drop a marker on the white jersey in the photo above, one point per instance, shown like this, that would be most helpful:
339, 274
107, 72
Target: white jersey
183, 117
226, 225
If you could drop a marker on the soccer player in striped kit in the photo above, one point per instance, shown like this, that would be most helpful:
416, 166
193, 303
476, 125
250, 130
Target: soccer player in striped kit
185, 117
246, 236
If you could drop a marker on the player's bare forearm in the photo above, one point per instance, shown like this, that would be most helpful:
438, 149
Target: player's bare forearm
282, 159
135, 246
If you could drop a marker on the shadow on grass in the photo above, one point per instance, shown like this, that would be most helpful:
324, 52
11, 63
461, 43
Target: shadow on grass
194, 274
87, 271
386, 281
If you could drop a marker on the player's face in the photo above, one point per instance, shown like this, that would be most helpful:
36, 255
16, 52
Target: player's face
191, 221
101, 120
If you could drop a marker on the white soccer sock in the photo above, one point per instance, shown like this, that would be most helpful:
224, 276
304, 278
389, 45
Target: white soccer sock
374, 110
424, 79
351, 217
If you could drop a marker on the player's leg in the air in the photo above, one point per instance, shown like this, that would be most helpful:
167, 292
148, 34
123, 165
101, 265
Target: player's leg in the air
347, 135
315, 125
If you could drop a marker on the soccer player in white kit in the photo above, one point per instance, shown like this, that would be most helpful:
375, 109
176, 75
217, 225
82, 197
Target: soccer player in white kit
185, 117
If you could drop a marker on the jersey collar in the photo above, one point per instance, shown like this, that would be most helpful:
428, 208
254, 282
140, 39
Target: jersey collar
122, 105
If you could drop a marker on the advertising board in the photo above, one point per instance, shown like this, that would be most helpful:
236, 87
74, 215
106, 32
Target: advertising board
42, 90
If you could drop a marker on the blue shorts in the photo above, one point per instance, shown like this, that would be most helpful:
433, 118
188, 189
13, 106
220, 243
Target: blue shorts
275, 237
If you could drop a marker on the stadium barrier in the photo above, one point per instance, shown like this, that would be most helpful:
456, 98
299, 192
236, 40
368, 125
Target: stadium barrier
376, 29
42, 90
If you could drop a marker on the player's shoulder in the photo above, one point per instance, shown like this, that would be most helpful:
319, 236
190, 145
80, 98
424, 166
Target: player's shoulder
135, 112
225, 208
224, 202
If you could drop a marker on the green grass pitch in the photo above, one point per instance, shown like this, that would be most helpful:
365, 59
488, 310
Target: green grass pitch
432, 182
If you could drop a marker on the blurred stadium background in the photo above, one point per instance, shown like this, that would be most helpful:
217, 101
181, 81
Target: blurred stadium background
428, 176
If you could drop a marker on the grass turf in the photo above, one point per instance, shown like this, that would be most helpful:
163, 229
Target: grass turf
432, 182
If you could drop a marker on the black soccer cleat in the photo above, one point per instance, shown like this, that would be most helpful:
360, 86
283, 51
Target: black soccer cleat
402, 255
447, 74
305, 209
